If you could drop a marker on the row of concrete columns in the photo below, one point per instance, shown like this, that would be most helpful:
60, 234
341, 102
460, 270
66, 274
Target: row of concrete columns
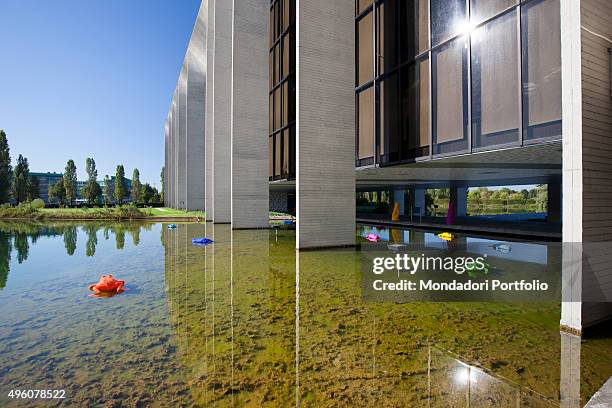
217, 128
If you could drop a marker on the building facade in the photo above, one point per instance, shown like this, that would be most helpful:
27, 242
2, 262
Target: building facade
304, 103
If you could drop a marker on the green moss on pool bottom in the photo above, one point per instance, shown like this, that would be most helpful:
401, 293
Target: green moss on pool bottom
216, 326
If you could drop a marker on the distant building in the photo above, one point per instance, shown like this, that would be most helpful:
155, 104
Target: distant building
45, 181
128, 183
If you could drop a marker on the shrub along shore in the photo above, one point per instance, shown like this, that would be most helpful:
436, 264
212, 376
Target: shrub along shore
123, 212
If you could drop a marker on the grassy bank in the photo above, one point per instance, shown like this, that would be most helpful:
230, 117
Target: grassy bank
125, 212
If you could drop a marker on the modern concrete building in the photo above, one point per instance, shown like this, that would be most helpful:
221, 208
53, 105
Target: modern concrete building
46, 180
400, 96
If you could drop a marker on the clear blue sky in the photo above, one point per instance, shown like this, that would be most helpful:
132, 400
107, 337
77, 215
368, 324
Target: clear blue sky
91, 78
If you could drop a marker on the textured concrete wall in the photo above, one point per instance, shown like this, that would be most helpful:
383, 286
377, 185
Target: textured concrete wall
250, 47
222, 112
166, 159
182, 138
325, 123
210, 103
587, 123
196, 98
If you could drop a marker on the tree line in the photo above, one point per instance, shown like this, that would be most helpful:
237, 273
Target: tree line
17, 183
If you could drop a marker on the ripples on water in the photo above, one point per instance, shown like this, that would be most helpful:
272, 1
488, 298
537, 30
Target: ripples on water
239, 323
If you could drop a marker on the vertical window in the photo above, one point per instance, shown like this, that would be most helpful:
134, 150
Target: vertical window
276, 63
285, 87
362, 5
413, 27
285, 14
415, 109
448, 18
271, 156
495, 82
277, 155
285, 171
388, 119
481, 10
541, 57
386, 43
277, 108
286, 55
365, 51
366, 124
450, 115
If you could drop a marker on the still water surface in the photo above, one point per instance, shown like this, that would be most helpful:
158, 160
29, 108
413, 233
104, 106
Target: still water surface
248, 322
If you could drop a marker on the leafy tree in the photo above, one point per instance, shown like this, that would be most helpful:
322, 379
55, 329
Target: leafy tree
21, 180
108, 194
6, 172
92, 190
136, 187
33, 188
70, 181
6, 247
147, 194
120, 185
92, 239
22, 246
57, 192
163, 185
70, 240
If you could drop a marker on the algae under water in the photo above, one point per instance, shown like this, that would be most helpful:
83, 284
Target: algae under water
248, 321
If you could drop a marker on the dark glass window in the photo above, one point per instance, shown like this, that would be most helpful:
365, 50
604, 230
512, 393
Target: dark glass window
541, 56
413, 28
282, 89
448, 18
365, 53
388, 119
386, 39
277, 155
361, 5
495, 82
450, 97
285, 171
483, 9
415, 109
271, 155
365, 143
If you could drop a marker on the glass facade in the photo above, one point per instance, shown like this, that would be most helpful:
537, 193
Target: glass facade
443, 77
282, 90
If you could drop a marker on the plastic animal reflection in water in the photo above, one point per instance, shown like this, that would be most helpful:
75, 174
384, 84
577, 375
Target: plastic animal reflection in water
372, 237
447, 236
107, 286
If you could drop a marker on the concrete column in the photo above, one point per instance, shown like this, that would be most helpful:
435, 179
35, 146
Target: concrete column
554, 202
172, 165
210, 103
569, 387
587, 176
166, 159
222, 112
175, 156
181, 185
417, 201
398, 197
249, 132
196, 97
458, 195
325, 139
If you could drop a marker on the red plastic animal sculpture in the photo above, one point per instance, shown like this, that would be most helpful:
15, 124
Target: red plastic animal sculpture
107, 284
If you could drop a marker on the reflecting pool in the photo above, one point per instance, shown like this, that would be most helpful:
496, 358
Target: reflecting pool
248, 321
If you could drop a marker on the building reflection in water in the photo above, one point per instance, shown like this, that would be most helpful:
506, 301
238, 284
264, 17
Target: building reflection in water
258, 322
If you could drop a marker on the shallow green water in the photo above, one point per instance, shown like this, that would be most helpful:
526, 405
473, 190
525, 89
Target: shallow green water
246, 321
